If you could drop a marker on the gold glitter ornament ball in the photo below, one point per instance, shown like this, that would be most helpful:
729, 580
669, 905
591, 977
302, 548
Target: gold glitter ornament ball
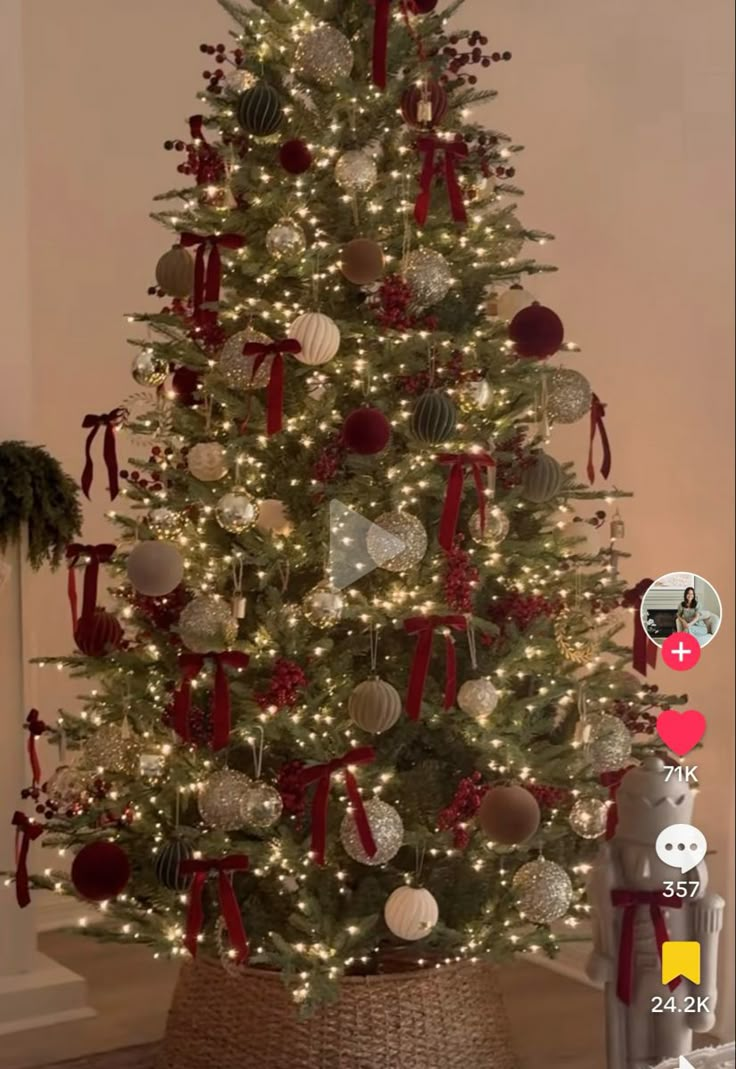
429, 276
285, 240
206, 625
324, 606
324, 56
115, 749
589, 818
387, 830
495, 530
381, 541
543, 891
222, 798
236, 512
262, 806
237, 369
607, 744
148, 369
569, 396
356, 171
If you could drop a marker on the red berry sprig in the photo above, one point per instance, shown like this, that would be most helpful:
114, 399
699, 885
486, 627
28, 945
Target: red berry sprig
460, 579
473, 55
287, 680
462, 809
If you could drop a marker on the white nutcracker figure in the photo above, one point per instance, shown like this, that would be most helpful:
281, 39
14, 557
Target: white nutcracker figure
635, 912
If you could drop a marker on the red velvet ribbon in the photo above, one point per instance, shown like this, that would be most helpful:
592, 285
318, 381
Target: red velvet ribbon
96, 555
190, 665
36, 728
26, 830
597, 412
424, 628
431, 145
630, 901
110, 421
644, 651
322, 776
459, 463
196, 131
200, 869
275, 393
208, 269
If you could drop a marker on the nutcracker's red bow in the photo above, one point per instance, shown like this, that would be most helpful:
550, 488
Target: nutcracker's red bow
459, 464
190, 665
229, 909
208, 269
36, 728
453, 151
424, 628
26, 830
322, 776
93, 557
597, 412
644, 651
630, 901
110, 421
275, 395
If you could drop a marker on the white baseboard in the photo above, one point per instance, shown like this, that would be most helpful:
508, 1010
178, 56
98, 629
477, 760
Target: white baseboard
47, 994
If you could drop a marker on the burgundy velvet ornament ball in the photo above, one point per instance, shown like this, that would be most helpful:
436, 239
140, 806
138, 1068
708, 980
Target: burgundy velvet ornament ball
100, 871
423, 7
537, 332
185, 383
98, 634
295, 156
366, 431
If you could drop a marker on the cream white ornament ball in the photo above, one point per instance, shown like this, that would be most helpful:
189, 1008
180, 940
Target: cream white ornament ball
478, 697
237, 369
206, 625
318, 336
512, 301
543, 891
374, 706
324, 606
495, 530
236, 512
382, 545
589, 818
222, 798
324, 56
207, 461
285, 239
411, 913
262, 806
429, 276
386, 827
356, 171
273, 518
155, 568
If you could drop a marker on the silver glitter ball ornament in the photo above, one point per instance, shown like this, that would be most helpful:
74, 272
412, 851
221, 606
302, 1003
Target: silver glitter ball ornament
286, 240
238, 80
164, 523
589, 818
206, 625
478, 697
324, 56
356, 171
324, 606
429, 276
237, 511
569, 396
607, 742
495, 530
387, 830
222, 798
262, 806
115, 749
543, 891
67, 787
381, 541
237, 369
148, 369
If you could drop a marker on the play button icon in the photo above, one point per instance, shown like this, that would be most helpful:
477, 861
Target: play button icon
684, 1063
350, 560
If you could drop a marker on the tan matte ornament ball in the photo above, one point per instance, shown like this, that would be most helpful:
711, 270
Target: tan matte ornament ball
206, 625
374, 706
273, 518
155, 568
509, 815
318, 336
411, 913
175, 273
386, 827
207, 461
362, 261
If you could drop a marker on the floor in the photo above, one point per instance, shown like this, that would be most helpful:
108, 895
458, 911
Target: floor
131, 992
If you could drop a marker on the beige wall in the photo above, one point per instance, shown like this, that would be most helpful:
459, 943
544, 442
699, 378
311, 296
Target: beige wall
624, 108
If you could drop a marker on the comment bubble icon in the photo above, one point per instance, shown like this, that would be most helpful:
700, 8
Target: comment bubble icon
682, 846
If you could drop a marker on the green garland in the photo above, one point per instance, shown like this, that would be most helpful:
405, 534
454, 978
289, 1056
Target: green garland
36, 491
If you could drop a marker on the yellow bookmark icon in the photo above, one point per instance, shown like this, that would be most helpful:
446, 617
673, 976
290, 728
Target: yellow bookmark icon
681, 959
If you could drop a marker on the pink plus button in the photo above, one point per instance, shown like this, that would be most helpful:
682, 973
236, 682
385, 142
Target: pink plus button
681, 651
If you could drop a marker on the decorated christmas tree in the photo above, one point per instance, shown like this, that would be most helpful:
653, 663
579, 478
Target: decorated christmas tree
360, 698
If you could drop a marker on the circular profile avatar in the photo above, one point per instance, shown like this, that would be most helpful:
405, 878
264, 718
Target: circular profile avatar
681, 602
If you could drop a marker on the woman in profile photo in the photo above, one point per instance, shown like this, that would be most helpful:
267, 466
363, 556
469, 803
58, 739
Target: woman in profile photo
692, 619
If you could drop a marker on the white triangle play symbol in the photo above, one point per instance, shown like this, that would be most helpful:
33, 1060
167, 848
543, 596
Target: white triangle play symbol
684, 1063
349, 557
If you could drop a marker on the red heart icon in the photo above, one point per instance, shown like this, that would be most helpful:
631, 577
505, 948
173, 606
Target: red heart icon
681, 732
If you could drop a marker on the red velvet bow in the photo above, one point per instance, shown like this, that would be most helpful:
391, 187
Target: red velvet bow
322, 776
477, 463
275, 395
96, 555
644, 651
424, 627
36, 728
191, 664
207, 276
597, 412
630, 901
26, 830
229, 909
110, 421
196, 130
430, 145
